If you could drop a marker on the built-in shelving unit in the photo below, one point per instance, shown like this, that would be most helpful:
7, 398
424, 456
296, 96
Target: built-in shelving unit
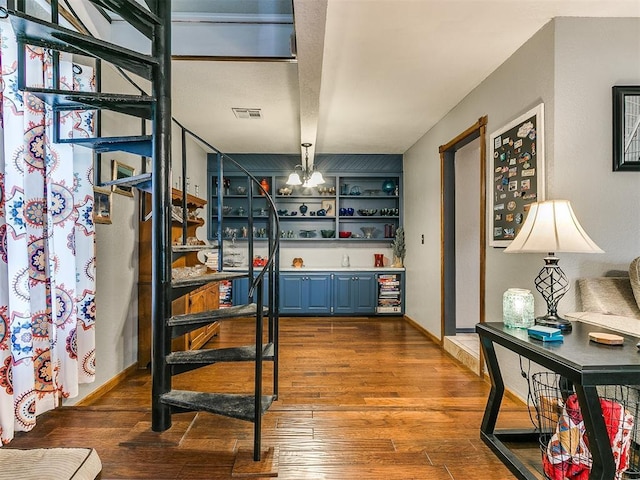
351, 206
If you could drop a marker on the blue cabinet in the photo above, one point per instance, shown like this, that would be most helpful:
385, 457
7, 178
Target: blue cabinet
240, 291
354, 293
304, 294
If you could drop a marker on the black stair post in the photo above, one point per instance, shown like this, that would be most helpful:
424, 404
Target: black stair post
161, 237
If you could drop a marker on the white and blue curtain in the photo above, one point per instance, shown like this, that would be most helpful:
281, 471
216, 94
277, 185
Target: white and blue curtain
47, 255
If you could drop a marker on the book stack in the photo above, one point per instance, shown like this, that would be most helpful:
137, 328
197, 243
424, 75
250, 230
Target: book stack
389, 294
225, 294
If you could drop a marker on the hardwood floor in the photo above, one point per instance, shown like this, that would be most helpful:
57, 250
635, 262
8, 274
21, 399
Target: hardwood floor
359, 399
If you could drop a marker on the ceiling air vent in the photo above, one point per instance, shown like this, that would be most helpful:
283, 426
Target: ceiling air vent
247, 113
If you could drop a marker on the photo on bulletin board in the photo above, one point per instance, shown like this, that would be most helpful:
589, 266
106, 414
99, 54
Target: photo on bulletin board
516, 179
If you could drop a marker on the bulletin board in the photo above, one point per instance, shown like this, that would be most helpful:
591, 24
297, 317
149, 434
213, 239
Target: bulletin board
516, 177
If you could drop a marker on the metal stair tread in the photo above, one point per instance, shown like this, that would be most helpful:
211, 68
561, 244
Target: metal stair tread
135, 105
231, 405
142, 182
210, 316
132, 12
34, 31
245, 353
207, 278
137, 145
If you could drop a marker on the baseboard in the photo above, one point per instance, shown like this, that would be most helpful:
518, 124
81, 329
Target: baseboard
423, 330
107, 386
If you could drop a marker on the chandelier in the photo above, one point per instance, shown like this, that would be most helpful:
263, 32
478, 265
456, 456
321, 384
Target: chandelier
308, 176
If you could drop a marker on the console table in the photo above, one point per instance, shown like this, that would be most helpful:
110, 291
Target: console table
586, 364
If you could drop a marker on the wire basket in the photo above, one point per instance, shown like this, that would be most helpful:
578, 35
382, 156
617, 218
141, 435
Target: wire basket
563, 442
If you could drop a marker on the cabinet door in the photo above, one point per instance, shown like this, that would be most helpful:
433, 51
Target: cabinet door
364, 293
291, 297
240, 291
317, 294
343, 294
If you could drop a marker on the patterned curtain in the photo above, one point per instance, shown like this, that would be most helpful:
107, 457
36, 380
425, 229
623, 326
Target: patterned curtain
47, 258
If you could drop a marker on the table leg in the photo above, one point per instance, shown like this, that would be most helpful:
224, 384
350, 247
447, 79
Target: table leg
497, 387
604, 467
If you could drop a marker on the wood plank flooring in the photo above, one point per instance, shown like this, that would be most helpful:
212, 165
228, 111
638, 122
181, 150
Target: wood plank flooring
364, 398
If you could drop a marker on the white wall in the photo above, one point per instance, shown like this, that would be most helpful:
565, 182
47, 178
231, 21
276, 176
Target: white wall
570, 65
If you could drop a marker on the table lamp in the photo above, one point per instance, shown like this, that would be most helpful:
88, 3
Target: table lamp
551, 227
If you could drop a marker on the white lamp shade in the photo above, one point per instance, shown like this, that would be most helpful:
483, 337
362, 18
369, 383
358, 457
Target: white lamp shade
294, 179
316, 178
552, 226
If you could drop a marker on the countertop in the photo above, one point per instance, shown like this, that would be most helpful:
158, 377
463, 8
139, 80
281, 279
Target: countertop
325, 269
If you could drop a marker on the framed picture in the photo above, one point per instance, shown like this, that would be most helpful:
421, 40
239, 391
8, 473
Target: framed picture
101, 205
330, 207
516, 177
118, 171
626, 128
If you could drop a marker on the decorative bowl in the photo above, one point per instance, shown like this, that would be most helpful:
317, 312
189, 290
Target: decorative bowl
226, 210
241, 190
368, 231
328, 233
367, 212
344, 234
307, 233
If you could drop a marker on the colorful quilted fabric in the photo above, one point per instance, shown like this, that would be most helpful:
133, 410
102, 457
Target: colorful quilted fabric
47, 258
567, 455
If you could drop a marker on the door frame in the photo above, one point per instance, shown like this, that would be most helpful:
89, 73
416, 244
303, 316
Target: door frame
447, 224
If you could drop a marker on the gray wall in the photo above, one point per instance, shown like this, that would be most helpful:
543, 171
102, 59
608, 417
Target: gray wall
117, 248
570, 65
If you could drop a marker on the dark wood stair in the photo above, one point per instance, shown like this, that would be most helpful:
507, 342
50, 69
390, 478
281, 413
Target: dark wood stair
231, 405
155, 24
33, 31
137, 145
184, 361
135, 105
183, 286
181, 324
132, 12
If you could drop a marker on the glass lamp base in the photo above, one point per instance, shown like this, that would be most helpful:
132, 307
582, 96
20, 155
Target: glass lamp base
553, 321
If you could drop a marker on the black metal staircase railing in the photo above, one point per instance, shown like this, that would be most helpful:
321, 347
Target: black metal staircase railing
155, 23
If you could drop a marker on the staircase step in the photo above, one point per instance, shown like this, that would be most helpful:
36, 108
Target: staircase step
141, 182
187, 322
134, 105
231, 405
33, 31
185, 285
184, 361
133, 13
137, 145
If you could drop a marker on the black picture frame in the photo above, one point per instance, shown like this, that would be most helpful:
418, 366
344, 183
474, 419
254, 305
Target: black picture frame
626, 128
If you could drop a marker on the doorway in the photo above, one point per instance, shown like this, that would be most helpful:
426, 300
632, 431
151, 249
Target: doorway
463, 235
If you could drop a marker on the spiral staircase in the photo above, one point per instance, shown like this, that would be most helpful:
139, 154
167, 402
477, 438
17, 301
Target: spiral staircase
153, 20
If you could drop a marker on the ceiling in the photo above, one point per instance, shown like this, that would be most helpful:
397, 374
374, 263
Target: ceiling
371, 76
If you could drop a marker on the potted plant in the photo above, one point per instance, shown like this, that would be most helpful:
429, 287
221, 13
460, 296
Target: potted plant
398, 248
